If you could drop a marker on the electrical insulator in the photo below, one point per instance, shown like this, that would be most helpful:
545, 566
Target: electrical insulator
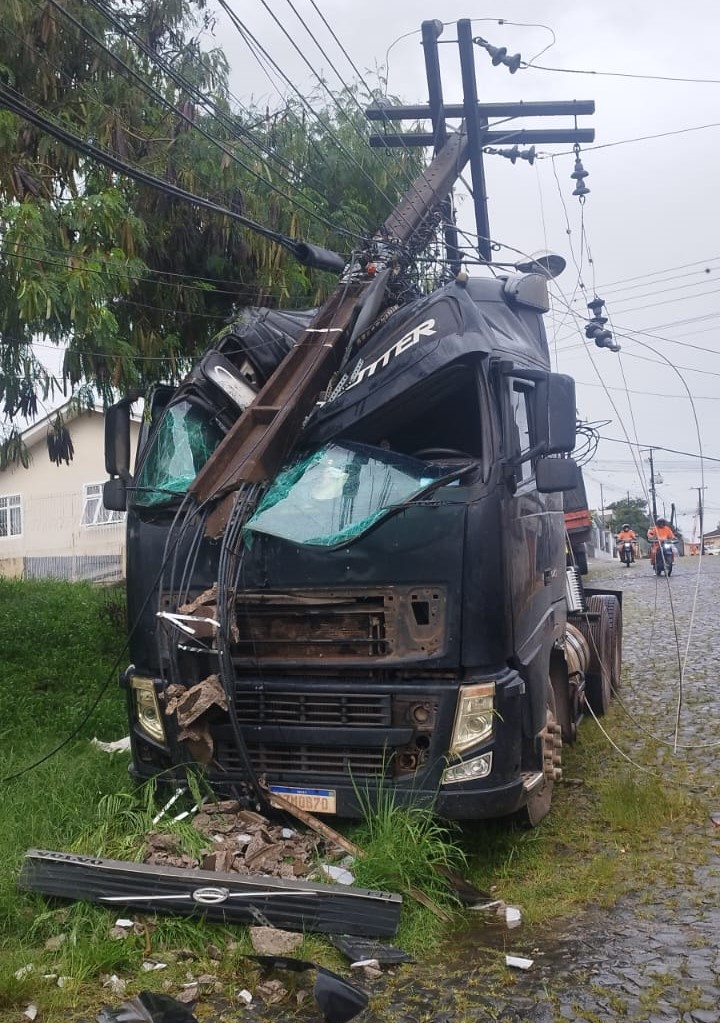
579, 174
517, 154
499, 55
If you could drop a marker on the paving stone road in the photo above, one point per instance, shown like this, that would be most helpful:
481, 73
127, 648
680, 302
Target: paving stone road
655, 956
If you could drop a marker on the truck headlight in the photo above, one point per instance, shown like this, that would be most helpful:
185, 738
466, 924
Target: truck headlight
147, 708
474, 717
468, 770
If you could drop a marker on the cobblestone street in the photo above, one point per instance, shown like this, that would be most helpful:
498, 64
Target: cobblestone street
654, 956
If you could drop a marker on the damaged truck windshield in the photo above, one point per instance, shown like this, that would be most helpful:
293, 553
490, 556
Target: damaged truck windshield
391, 606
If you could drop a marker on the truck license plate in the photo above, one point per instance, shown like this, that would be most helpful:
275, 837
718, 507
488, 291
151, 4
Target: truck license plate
312, 800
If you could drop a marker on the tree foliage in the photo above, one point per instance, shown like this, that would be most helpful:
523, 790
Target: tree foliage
634, 511
130, 281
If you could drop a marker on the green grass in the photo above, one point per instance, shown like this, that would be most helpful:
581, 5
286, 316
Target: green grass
60, 641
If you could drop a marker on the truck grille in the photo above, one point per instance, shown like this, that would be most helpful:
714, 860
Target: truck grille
319, 708
293, 760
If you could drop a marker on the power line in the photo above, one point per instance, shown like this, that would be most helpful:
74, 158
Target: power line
15, 103
620, 74
190, 121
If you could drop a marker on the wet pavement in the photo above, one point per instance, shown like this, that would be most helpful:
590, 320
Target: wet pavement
655, 956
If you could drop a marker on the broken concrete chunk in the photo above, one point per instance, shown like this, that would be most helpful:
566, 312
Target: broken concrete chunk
271, 991
273, 941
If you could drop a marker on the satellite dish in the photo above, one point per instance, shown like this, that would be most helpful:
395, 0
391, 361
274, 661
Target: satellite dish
549, 264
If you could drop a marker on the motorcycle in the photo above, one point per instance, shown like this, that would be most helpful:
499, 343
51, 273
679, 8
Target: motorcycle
664, 557
627, 554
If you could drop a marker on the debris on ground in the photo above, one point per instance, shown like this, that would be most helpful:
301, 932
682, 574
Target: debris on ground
513, 917
31, 1012
116, 985
273, 941
117, 746
271, 991
518, 962
337, 873
338, 1000
147, 1007
243, 842
359, 949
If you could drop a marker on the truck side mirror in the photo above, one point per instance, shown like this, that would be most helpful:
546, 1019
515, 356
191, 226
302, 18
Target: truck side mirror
117, 439
555, 415
115, 494
553, 475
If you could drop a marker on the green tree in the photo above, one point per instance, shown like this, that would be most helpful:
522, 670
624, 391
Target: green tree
131, 281
634, 511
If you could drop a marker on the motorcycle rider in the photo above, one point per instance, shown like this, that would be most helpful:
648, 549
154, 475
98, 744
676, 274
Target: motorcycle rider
660, 531
626, 533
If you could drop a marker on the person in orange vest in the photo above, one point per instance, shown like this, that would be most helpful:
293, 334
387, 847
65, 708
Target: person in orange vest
626, 533
660, 531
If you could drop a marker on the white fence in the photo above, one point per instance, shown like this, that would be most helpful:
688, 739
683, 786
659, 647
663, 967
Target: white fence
64, 537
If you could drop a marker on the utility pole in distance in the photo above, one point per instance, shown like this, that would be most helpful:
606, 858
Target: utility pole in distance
652, 487
700, 517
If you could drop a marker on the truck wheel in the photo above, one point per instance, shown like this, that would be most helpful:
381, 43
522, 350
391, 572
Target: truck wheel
615, 621
538, 804
598, 685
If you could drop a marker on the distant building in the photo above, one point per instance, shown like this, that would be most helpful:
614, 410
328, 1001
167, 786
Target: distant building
52, 520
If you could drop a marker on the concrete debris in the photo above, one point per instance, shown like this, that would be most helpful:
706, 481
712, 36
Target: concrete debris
519, 962
206, 599
365, 962
273, 941
244, 996
124, 923
55, 942
191, 707
31, 1012
150, 966
188, 994
24, 971
118, 746
114, 983
271, 991
337, 874
243, 842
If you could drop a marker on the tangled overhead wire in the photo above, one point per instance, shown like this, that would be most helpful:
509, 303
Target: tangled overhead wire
588, 435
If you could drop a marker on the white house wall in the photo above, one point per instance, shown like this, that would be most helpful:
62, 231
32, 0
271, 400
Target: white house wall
53, 542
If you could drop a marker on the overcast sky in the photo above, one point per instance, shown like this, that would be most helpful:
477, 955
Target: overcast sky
651, 219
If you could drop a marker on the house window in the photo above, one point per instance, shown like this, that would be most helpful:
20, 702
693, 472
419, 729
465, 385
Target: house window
94, 511
10, 515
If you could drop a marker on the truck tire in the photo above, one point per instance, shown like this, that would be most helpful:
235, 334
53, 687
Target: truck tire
614, 610
538, 804
596, 630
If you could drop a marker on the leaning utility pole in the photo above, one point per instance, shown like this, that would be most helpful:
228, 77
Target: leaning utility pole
258, 442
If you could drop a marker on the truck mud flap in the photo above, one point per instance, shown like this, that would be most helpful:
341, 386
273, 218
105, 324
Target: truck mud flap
228, 898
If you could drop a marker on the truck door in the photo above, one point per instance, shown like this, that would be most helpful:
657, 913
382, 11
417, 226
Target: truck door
534, 528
